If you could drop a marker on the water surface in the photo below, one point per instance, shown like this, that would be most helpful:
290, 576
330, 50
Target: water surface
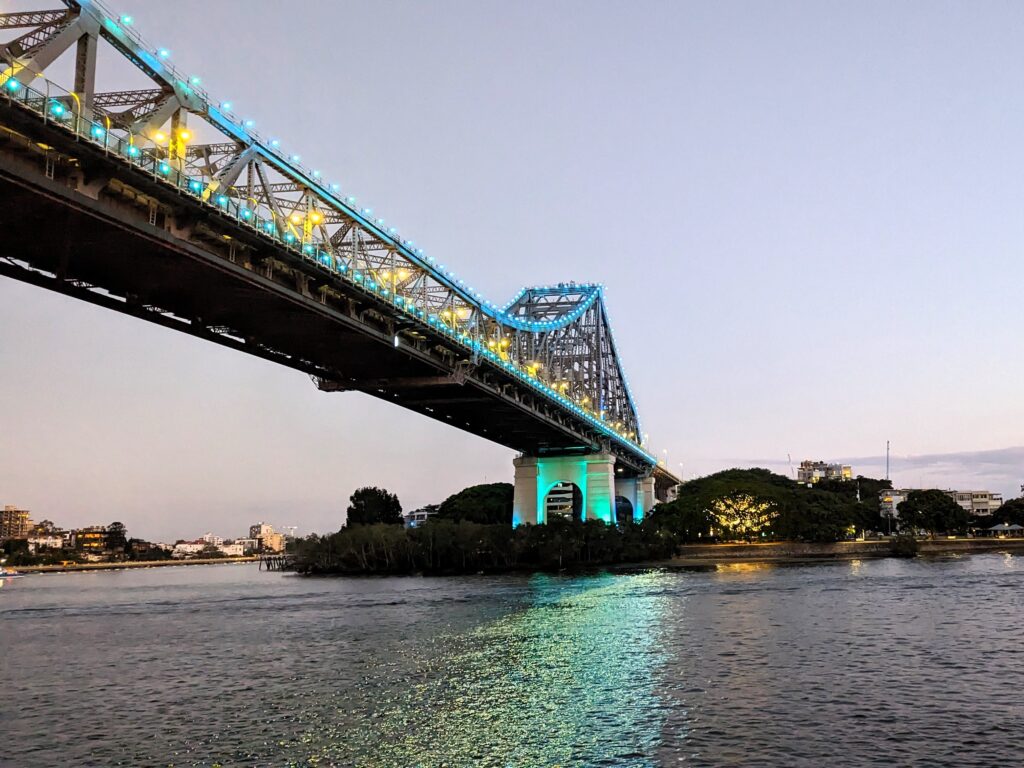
883, 662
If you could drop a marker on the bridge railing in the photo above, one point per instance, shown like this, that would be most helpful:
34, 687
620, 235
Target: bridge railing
56, 106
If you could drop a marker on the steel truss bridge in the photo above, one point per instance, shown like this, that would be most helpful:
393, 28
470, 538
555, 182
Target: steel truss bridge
111, 197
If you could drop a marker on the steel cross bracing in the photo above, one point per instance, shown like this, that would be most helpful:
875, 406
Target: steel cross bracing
556, 339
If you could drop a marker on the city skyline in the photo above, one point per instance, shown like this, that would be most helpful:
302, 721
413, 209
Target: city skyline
848, 306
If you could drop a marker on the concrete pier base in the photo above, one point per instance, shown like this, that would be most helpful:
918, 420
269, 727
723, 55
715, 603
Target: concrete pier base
593, 475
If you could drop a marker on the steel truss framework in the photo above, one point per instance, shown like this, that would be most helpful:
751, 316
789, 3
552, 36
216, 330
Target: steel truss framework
556, 339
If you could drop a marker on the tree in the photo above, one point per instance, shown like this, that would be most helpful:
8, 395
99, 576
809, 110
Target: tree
117, 538
931, 510
370, 505
488, 504
1011, 512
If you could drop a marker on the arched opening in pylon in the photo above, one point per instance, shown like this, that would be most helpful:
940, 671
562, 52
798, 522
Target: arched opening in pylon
623, 510
565, 501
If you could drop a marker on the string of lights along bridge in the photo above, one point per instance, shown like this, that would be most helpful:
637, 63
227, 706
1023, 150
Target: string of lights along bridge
178, 212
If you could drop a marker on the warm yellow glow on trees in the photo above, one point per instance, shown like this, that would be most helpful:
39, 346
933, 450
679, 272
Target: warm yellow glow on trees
743, 515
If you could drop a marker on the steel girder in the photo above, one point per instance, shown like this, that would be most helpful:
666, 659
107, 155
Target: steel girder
559, 337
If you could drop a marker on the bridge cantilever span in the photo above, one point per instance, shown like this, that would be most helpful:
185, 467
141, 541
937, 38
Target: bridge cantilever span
233, 241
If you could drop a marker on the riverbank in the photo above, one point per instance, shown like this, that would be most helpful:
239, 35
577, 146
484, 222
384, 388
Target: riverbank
130, 564
791, 551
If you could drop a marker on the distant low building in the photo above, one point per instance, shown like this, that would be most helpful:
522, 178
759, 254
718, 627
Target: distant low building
209, 538
45, 541
186, 548
272, 542
418, 517
92, 539
977, 503
268, 540
813, 471
889, 501
231, 550
260, 530
14, 523
248, 545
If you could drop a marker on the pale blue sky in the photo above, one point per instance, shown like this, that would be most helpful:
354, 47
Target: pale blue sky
808, 216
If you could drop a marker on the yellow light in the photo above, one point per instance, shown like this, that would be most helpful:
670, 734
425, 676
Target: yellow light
491, 343
504, 342
316, 217
403, 274
295, 218
159, 136
184, 135
463, 313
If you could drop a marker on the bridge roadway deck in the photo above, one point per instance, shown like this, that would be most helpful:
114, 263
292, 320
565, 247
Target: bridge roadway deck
91, 227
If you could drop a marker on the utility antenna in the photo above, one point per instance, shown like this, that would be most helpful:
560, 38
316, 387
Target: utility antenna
792, 476
886, 459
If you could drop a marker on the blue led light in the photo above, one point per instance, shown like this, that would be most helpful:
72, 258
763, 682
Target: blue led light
222, 200
57, 109
133, 151
246, 213
98, 132
195, 186
226, 106
163, 53
165, 168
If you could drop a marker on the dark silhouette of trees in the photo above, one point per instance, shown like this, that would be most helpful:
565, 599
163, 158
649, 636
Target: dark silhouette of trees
116, 538
369, 506
489, 504
1011, 512
932, 510
747, 504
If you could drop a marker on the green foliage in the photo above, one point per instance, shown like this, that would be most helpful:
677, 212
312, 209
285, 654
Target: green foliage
489, 504
748, 504
445, 546
931, 510
370, 506
117, 538
1011, 512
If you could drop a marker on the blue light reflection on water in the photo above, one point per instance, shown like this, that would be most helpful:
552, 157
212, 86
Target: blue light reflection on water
874, 662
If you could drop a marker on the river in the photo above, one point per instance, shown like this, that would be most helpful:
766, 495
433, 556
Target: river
875, 662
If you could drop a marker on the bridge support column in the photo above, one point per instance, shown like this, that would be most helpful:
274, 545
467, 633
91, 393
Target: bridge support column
639, 492
592, 475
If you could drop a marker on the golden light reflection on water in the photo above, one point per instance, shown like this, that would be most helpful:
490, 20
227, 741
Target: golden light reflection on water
743, 567
568, 681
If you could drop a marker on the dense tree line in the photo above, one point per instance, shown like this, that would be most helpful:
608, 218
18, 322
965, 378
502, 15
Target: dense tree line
446, 546
755, 504
471, 530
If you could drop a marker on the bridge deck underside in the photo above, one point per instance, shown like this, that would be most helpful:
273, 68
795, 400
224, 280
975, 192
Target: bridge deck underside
75, 242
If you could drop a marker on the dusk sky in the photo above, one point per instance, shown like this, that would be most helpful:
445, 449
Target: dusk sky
809, 217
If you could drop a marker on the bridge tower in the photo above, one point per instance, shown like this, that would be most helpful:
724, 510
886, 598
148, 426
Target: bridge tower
585, 486
233, 241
